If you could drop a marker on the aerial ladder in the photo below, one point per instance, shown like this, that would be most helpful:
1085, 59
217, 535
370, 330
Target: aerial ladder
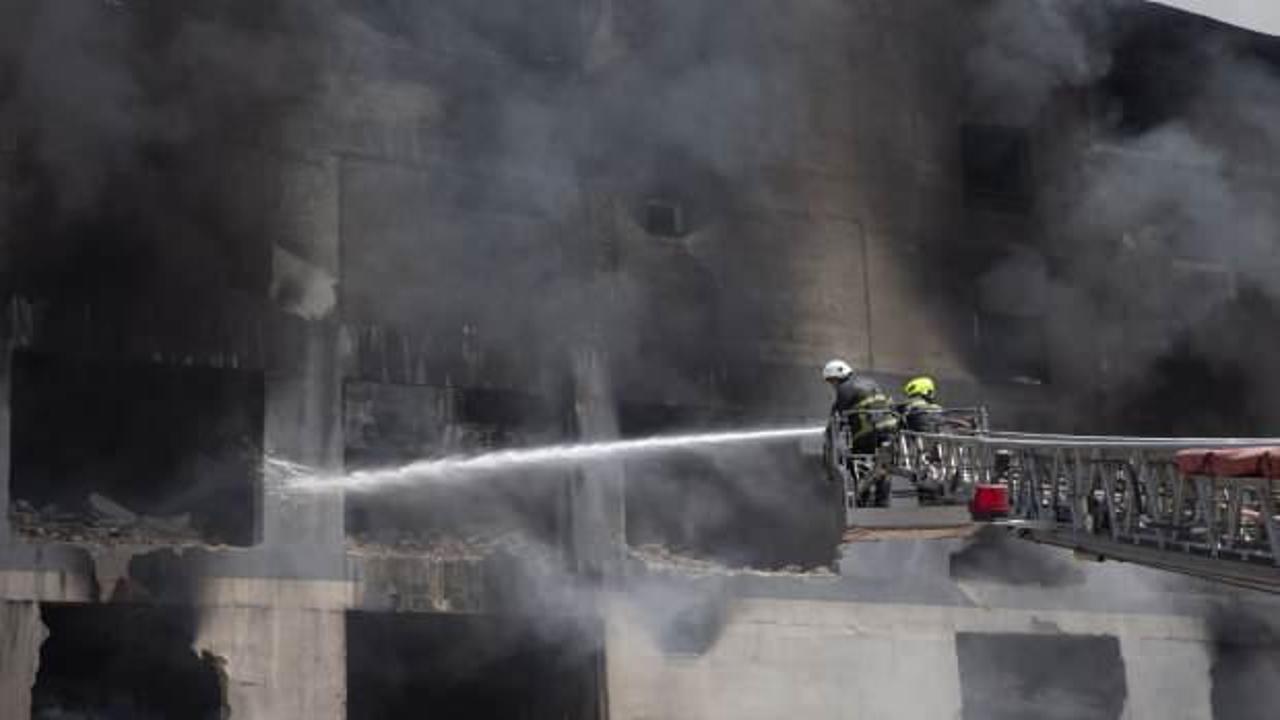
1204, 507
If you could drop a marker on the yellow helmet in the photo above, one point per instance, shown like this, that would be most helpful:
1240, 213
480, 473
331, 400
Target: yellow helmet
920, 387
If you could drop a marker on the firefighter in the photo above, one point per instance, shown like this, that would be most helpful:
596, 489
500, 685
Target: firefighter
864, 402
921, 410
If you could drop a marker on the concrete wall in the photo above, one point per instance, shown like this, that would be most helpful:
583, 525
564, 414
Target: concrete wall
815, 171
440, 215
990, 628
769, 646
282, 646
780, 658
20, 636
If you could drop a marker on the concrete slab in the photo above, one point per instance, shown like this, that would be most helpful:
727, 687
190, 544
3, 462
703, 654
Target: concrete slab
776, 658
911, 518
278, 663
21, 634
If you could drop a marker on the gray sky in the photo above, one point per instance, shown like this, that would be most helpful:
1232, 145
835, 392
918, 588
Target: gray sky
1260, 15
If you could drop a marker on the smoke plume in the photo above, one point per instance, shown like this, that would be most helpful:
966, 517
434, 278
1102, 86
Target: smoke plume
1031, 49
1157, 215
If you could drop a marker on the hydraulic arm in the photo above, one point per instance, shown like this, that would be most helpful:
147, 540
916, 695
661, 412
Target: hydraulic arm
1207, 507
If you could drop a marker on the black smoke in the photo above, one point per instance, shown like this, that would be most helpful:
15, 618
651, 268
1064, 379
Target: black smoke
1153, 225
125, 661
994, 555
142, 156
1245, 668
507, 216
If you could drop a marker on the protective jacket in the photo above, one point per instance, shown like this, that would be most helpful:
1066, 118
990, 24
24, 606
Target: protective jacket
921, 415
854, 392
869, 411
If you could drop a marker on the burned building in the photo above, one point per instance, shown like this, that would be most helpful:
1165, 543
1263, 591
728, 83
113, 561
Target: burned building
237, 236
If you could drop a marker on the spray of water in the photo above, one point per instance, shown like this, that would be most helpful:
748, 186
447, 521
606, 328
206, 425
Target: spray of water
300, 478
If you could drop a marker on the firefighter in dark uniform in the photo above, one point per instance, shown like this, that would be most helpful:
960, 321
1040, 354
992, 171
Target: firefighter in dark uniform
921, 411
866, 404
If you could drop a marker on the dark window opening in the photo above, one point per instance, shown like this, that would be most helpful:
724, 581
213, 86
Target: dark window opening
680, 331
1057, 677
1157, 68
471, 666
119, 661
645, 419
1196, 287
1184, 377
389, 425
112, 236
135, 453
1246, 665
765, 506
664, 218
1213, 368
1013, 348
392, 17
526, 33
996, 163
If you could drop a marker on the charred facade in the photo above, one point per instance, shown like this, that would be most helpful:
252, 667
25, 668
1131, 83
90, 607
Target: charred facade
350, 234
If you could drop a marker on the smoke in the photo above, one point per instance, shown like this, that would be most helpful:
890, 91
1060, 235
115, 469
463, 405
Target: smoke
524, 150
1151, 260
568, 134
1157, 215
1245, 662
140, 168
495, 169
761, 506
994, 556
1031, 49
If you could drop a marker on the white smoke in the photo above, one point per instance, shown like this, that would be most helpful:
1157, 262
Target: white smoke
1033, 48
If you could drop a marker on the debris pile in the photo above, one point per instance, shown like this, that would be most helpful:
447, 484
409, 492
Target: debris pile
446, 548
659, 558
101, 521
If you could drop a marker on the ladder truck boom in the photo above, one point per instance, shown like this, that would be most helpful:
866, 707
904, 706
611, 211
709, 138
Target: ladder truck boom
1205, 507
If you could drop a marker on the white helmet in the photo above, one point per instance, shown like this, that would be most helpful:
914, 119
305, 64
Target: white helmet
837, 371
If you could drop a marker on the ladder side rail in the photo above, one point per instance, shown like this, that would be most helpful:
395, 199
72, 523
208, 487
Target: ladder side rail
1270, 524
1151, 505
1029, 482
1137, 441
1061, 488
1166, 516
1126, 491
1082, 495
1234, 508
1204, 522
1253, 535
1100, 478
1160, 493
1206, 488
1132, 470
1181, 518
1022, 484
1152, 514
1048, 485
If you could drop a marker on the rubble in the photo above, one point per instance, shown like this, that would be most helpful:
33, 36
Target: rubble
438, 548
861, 534
444, 548
110, 509
659, 558
104, 522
